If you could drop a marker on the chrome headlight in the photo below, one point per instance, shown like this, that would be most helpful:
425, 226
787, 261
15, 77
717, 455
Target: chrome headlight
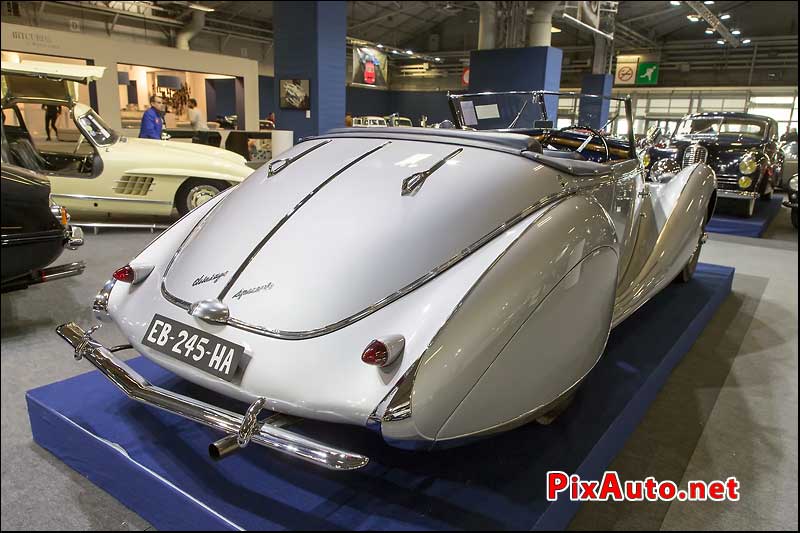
748, 164
793, 184
745, 182
646, 159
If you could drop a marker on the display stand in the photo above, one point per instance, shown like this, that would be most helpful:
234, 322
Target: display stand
755, 226
157, 463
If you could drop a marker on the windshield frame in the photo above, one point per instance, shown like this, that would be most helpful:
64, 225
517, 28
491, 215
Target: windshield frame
113, 138
537, 97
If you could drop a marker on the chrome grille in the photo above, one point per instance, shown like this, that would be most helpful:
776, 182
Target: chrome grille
694, 153
728, 182
134, 185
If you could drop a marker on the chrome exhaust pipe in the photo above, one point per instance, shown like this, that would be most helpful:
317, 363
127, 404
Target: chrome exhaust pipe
59, 272
224, 447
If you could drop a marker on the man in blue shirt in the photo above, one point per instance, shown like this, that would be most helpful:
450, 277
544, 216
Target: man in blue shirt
151, 120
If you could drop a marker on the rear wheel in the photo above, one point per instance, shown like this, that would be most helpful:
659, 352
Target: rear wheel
195, 192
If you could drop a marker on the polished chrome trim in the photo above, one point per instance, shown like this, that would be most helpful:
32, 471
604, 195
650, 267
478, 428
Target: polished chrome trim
75, 238
415, 181
111, 199
736, 195
230, 423
27, 238
289, 160
289, 215
97, 225
53, 273
298, 335
100, 303
212, 311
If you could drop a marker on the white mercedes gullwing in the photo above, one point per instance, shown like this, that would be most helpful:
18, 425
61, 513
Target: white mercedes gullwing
434, 285
110, 173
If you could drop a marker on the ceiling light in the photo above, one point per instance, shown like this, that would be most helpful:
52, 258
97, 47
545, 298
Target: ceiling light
726, 16
709, 2
553, 29
437, 58
746, 41
736, 32
720, 41
674, 3
395, 52
380, 45
693, 18
410, 52
709, 31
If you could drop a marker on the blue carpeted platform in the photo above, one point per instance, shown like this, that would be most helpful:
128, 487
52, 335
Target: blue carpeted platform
724, 221
157, 464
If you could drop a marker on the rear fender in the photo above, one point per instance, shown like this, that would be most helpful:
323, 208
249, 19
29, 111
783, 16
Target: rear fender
493, 311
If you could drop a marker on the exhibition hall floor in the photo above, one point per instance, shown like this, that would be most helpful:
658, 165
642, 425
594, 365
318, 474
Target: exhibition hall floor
729, 408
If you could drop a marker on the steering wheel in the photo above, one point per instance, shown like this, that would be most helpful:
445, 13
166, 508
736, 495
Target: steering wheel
585, 143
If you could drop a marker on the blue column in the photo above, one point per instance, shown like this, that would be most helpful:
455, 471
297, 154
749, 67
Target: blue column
310, 45
518, 69
593, 112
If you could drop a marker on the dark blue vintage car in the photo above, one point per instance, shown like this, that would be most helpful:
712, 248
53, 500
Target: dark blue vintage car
740, 147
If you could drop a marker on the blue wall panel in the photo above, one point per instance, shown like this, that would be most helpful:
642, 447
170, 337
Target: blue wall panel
593, 112
362, 102
225, 91
310, 45
267, 101
517, 69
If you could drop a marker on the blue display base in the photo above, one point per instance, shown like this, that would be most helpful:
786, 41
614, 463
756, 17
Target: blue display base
157, 463
755, 226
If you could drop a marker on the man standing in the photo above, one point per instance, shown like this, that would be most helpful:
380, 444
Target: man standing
196, 120
152, 123
51, 113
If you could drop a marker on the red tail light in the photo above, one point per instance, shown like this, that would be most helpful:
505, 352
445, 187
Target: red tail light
125, 274
384, 351
376, 353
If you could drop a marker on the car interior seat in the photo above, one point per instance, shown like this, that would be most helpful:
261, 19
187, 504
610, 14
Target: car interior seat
26, 156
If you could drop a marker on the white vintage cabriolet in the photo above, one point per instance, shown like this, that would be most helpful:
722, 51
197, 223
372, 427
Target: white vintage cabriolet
116, 174
435, 285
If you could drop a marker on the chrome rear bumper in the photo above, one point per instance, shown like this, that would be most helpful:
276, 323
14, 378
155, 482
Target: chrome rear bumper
243, 429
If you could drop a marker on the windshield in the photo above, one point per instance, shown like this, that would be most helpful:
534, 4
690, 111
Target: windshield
713, 126
540, 110
560, 121
96, 130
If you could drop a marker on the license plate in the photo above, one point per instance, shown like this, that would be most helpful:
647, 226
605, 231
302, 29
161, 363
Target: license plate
194, 347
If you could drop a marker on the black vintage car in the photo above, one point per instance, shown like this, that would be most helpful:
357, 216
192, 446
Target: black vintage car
741, 148
34, 231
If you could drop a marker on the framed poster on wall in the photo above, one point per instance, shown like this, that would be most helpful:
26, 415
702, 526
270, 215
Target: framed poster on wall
370, 67
295, 94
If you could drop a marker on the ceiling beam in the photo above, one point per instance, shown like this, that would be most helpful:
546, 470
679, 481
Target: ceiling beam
714, 22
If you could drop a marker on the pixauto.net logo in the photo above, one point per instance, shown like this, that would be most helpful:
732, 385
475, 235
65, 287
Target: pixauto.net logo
609, 487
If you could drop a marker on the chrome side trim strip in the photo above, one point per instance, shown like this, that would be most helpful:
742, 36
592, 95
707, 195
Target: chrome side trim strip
277, 165
248, 428
110, 199
289, 215
299, 335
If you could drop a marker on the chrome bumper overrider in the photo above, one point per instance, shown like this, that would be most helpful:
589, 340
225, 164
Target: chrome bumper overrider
242, 429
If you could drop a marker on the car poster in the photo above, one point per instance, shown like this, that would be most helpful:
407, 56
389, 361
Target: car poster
370, 67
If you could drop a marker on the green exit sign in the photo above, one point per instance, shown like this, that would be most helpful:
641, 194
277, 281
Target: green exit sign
647, 74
